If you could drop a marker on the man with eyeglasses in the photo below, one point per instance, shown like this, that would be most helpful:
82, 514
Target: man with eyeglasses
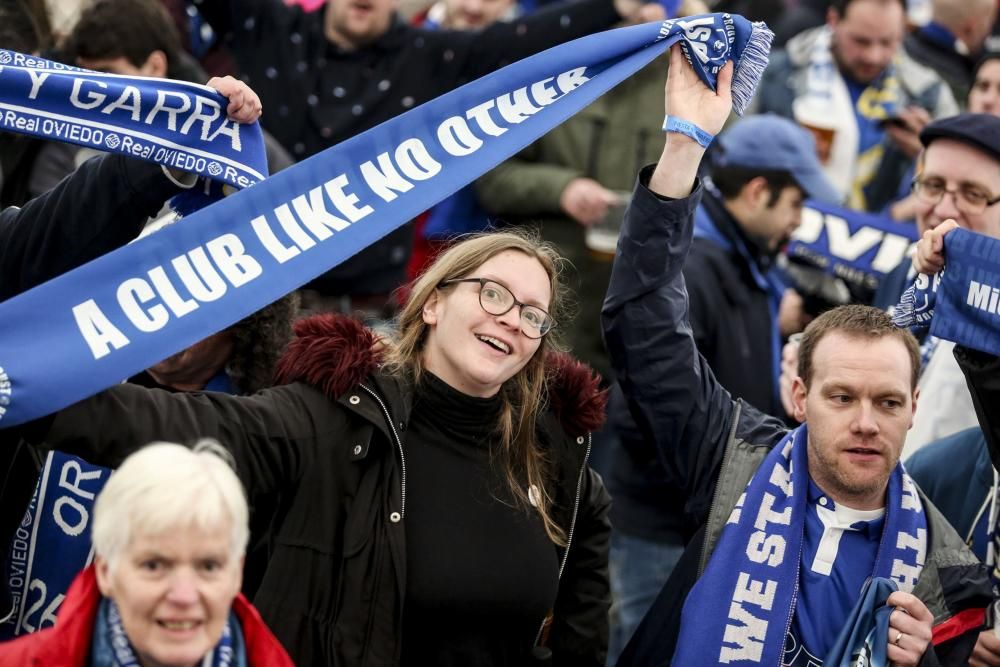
958, 178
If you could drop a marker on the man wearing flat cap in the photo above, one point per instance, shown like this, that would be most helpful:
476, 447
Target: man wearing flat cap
958, 178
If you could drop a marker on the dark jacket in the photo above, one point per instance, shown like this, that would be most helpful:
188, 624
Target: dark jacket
332, 441
956, 474
731, 322
67, 644
317, 95
956, 69
102, 206
711, 445
731, 318
982, 373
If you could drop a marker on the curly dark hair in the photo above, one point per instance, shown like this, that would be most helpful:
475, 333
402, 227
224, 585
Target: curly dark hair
258, 342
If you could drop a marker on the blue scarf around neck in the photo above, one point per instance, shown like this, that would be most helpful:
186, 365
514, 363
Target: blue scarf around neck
740, 609
110, 646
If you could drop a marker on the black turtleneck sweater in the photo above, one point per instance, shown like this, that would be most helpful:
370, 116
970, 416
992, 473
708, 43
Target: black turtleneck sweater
481, 572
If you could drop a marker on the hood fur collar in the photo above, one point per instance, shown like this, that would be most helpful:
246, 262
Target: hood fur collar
334, 353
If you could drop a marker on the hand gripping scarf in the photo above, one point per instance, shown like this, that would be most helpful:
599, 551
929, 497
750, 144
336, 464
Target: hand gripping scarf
962, 303
741, 608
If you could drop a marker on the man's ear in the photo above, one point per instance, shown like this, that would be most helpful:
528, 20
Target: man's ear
757, 192
430, 310
913, 411
799, 393
155, 65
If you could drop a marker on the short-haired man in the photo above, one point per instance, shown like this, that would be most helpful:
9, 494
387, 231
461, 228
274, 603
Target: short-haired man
763, 168
852, 84
792, 521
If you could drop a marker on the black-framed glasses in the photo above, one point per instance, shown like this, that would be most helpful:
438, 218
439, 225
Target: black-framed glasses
496, 299
970, 199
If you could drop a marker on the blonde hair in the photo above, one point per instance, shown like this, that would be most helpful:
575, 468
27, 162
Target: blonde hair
523, 396
164, 486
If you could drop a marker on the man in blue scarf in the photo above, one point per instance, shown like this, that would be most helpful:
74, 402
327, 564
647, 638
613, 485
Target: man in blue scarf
793, 523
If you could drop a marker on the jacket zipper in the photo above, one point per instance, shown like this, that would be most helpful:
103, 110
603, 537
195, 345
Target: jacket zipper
572, 526
399, 448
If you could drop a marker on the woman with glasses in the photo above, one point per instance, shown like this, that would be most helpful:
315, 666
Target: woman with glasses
436, 503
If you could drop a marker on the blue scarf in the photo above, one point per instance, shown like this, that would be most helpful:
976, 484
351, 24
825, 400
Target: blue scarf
87, 329
174, 123
864, 639
961, 303
110, 646
52, 543
860, 248
753, 573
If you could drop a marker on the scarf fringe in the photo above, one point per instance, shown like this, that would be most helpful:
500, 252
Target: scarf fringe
751, 65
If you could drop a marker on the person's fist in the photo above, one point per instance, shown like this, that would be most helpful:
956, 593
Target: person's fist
929, 257
244, 105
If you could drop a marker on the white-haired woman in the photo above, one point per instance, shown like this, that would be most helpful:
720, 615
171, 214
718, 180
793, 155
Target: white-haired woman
169, 533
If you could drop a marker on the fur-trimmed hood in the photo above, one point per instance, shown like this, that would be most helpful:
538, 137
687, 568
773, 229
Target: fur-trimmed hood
335, 352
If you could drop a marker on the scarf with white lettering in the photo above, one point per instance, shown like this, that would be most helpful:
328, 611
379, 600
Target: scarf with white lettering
740, 609
174, 123
859, 248
961, 303
87, 329
826, 105
110, 646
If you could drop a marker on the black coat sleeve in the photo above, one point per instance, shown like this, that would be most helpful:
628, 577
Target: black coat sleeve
272, 434
675, 399
99, 207
982, 374
580, 619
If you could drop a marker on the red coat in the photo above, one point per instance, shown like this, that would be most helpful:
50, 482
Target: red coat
67, 644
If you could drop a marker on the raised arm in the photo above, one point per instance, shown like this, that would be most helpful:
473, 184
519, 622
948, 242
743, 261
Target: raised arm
677, 402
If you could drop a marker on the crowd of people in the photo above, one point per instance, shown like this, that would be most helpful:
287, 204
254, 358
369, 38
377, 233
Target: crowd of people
590, 409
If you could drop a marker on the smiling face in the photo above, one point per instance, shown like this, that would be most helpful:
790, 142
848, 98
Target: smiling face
174, 593
957, 164
468, 348
351, 24
859, 406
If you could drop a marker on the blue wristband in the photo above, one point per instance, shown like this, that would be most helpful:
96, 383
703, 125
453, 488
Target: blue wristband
688, 129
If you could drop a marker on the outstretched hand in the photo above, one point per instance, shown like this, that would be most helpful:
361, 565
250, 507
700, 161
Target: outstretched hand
688, 98
244, 105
